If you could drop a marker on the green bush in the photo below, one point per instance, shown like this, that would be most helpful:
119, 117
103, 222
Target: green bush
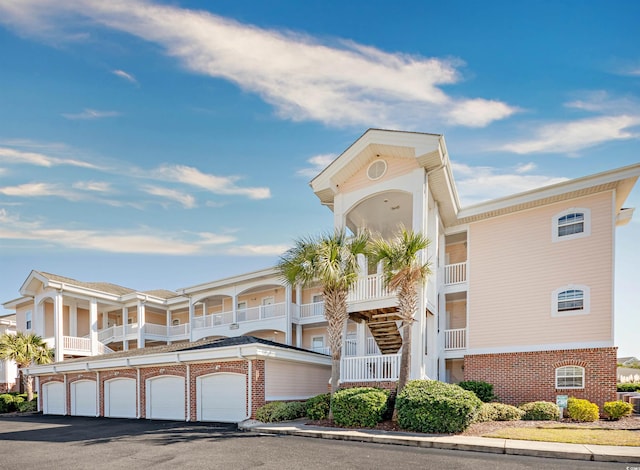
582, 410
617, 409
498, 412
635, 387
280, 411
540, 411
436, 407
6, 403
27, 406
318, 406
483, 390
359, 406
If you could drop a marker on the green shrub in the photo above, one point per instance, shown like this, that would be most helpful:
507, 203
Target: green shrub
540, 411
318, 406
634, 387
6, 403
280, 411
582, 410
483, 390
617, 409
359, 406
436, 407
498, 412
27, 406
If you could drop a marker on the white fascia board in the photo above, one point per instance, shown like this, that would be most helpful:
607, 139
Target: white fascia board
32, 275
624, 216
12, 304
611, 176
254, 275
135, 296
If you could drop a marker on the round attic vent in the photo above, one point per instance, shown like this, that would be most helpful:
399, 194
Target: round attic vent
377, 169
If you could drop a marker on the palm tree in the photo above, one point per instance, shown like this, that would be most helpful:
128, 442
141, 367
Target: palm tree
331, 260
25, 350
404, 273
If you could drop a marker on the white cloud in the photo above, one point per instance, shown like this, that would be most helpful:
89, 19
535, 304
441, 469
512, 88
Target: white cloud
13, 156
318, 163
89, 114
187, 200
257, 250
97, 186
476, 184
131, 241
40, 190
125, 75
304, 78
576, 135
525, 167
212, 183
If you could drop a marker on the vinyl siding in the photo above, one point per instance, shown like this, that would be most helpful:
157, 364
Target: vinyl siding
395, 167
292, 381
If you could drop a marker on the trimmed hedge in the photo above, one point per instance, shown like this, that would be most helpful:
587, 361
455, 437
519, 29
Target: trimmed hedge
483, 390
633, 387
540, 411
27, 406
498, 412
582, 410
436, 407
617, 409
359, 406
280, 411
318, 407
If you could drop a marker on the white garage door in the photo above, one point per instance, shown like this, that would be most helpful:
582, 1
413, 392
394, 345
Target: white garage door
120, 398
222, 397
166, 398
83, 398
53, 400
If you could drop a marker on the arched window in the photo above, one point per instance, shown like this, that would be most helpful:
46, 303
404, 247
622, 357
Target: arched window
571, 223
570, 377
570, 300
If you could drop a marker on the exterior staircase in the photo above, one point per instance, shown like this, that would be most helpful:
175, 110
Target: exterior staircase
383, 326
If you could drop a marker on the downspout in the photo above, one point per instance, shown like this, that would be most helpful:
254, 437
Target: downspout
250, 390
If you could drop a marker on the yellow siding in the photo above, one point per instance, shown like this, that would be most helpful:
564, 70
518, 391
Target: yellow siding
515, 267
457, 314
308, 333
286, 380
83, 322
457, 252
395, 167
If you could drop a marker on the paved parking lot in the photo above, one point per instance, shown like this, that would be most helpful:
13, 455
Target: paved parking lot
63, 442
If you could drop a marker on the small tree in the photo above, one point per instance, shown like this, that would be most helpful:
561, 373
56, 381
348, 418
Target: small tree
25, 350
330, 260
404, 273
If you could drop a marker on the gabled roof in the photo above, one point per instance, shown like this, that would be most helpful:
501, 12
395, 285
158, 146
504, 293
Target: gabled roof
106, 287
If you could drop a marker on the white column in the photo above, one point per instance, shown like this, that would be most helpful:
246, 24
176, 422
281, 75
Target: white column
125, 322
419, 331
361, 339
363, 264
442, 325
105, 320
141, 323
234, 300
288, 330
58, 332
191, 315
298, 335
73, 319
168, 324
93, 326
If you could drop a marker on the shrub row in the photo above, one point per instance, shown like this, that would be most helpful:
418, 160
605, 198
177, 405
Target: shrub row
281, 411
483, 390
498, 412
359, 406
632, 387
540, 411
582, 410
17, 402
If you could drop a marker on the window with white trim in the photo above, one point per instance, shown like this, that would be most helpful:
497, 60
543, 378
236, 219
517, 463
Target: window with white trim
28, 319
317, 344
570, 300
317, 298
571, 223
570, 377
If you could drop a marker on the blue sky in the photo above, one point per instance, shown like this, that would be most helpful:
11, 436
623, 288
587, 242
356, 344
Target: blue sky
160, 145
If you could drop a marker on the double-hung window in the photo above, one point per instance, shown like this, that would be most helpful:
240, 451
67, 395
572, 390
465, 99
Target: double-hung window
28, 319
570, 377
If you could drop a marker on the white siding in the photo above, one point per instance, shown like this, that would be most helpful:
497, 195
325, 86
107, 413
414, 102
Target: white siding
293, 381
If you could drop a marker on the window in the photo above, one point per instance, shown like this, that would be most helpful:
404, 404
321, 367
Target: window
570, 224
176, 322
241, 311
317, 344
377, 169
570, 300
570, 377
28, 319
317, 298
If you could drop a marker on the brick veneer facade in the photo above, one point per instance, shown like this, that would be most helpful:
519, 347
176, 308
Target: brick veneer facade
257, 387
530, 376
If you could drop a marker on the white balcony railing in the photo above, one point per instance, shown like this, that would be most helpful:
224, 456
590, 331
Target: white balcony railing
315, 309
75, 344
322, 350
385, 367
369, 288
167, 333
262, 312
455, 273
371, 347
216, 319
455, 339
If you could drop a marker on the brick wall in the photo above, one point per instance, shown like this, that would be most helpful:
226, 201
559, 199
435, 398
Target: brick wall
530, 376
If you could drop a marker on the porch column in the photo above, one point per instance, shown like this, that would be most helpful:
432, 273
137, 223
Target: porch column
125, 324
288, 331
105, 320
361, 339
73, 319
93, 326
191, 315
423, 348
58, 332
168, 325
234, 300
298, 335
442, 326
141, 323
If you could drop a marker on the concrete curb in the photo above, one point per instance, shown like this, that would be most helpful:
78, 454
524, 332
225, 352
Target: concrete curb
621, 454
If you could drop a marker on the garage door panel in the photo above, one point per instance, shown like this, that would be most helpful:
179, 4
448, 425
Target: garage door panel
53, 399
83, 398
166, 398
120, 398
222, 397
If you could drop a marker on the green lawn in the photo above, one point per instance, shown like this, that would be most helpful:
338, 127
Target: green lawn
572, 435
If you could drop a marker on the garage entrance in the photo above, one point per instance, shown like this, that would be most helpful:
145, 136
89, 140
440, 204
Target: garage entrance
222, 397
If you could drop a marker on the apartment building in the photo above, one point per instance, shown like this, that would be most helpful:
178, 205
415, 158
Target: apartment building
521, 296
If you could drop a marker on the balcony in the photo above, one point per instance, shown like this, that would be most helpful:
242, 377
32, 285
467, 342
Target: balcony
369, 288
455, 339
76, 346
370, 368
455, 274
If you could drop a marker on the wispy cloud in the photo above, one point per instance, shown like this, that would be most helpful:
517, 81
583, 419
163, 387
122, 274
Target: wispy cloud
525, 167
572, 136
13, 156
187, 200
89, 114
40, 190
318, 163
125, 75
123, 241
257, 250
305, 78
481, 183
212, 183
96, 186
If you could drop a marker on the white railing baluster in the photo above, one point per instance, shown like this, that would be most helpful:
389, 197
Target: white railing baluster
455, 339
383, 367
455, 273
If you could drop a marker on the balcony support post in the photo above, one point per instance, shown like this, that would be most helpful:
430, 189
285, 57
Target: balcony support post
287, 306
125, 324
73, 319
93, 325
168, 326
192, 312
141, 323
58, 326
